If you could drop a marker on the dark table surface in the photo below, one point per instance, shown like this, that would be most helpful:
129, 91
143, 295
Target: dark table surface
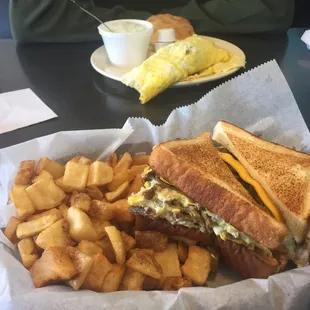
61, 75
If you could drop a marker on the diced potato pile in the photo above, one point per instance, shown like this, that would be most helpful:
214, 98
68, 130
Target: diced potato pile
73, 227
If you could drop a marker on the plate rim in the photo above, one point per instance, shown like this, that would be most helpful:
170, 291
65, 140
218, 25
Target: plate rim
196, 81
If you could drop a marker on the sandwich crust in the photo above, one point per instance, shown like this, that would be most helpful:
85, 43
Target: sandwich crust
284, 173
194, 167
246, 262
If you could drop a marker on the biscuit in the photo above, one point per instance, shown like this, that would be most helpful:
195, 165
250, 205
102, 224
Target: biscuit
182, 26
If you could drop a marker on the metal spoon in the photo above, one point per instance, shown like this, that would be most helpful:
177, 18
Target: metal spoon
92, 15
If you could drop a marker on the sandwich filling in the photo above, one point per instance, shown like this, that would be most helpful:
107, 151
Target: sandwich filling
160, 199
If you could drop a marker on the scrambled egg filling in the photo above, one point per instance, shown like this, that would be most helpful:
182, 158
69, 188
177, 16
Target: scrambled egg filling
168, 204
164, 201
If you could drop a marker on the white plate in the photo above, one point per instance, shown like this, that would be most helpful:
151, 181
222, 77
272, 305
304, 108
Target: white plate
100, 62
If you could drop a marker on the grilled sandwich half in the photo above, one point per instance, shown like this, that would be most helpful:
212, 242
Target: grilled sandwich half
284, 175
189, 185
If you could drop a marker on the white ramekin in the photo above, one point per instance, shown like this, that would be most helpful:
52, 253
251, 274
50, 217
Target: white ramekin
127, 49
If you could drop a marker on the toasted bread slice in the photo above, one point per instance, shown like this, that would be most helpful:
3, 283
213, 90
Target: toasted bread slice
246, 262
194, 167
283, 173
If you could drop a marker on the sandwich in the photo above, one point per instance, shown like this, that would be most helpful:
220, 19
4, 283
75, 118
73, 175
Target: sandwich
188, 185
282, 173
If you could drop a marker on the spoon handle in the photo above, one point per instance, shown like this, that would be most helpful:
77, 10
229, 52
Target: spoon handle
92, 15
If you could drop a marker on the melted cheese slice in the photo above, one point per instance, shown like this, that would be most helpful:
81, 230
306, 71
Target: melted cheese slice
165, 181
244, 175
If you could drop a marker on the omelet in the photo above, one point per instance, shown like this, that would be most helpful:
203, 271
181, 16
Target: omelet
223, 66
172, 64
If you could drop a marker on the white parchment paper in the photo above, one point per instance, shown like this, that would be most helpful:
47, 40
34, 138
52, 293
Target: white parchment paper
259, 100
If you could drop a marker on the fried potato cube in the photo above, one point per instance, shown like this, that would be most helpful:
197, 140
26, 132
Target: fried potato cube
23, 204
120, 193
117, 242
135, 185
129, 241
81, 227
121, 211
80, 200
25, 172
137, 170
147, 251
19, 191
20, 186
27, 251
10, 199
81, 160
53, 211
101, 210
140, 159
55, 235
149, 283
176, 283
43, 175
130, 253
82, 264
145, 263
63, 210
89, 248
123, 164
51, 166
99, 270
107, 248
45, 194
132, 280
29, 259
75, 176
31, 228
10, 229
66, 188
113, 279
99, 226
119, 179
112, 161
93, 192
151, 240
182, 251
169, 261
99, 174
197, 266
54, 265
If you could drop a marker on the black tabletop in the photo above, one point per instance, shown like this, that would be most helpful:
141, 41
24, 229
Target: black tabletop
61, 75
